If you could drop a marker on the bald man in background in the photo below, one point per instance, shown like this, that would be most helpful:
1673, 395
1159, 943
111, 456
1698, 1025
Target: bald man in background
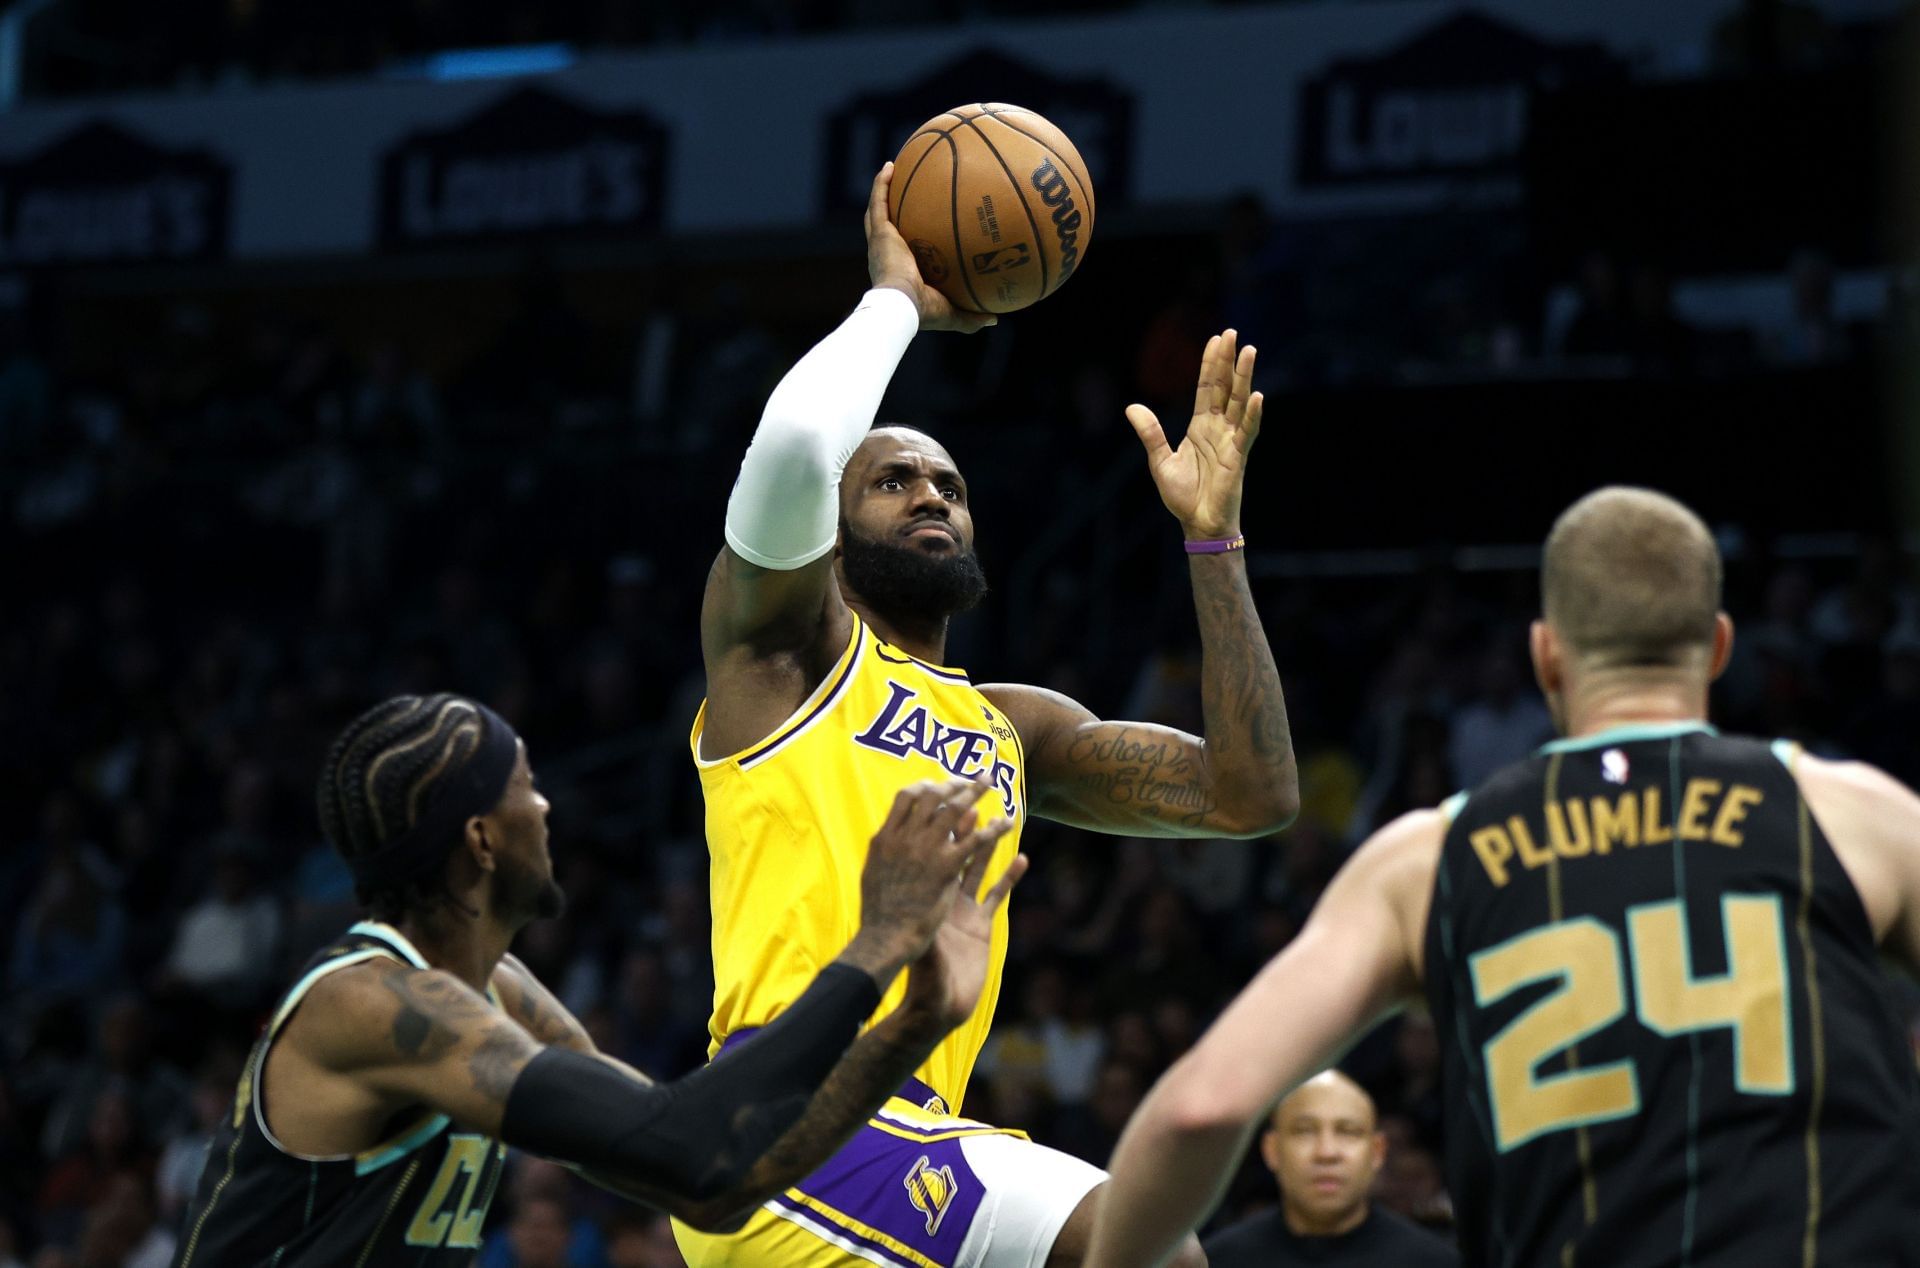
1324, 1147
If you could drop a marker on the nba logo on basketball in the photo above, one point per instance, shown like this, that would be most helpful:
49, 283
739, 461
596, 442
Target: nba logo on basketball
931, 1191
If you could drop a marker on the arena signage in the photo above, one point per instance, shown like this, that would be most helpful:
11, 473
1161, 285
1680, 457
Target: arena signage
102, 194
532, 162
1452, 101
870, 129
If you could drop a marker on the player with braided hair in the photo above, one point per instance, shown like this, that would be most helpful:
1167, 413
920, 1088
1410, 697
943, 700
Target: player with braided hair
378, 773
372, 1118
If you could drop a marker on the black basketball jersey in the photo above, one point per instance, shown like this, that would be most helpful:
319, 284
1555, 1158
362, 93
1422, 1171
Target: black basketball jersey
1665, 1032
417, 1199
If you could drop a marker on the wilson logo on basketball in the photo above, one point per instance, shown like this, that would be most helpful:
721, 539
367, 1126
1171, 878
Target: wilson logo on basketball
1001, 258
1052, 188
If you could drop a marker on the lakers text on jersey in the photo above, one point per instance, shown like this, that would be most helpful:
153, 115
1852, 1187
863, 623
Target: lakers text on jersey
789, 820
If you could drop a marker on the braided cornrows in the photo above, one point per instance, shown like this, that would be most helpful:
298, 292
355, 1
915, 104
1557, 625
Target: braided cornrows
378, 775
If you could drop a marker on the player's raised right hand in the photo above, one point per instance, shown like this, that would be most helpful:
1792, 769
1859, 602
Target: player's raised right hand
890, 263
914, 870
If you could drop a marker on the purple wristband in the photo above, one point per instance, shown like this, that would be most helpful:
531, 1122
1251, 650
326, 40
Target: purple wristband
1217, 546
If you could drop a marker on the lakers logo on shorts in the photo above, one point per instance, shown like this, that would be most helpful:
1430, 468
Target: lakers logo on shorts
931, 1191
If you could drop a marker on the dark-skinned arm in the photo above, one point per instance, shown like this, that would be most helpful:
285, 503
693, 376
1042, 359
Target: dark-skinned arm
877, 1063
881, 1059
713, 1145
1140, 779
772, 621
706, 1148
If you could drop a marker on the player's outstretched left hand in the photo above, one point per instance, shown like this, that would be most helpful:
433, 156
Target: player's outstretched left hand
948, 979
1201, 480
918, 860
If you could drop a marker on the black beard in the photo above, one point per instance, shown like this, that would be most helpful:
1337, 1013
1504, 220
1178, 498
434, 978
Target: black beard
910, 582
527, 895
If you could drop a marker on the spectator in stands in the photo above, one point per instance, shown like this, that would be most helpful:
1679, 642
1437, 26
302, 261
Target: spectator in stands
178, 1170
1410, 1183
67, 944
224, 950
1505, 722
1091, 1132
121, 1061
638, 1239
1324, 1148
539, 1235
648, 1034
121, 1231
544, 1230
112, 1151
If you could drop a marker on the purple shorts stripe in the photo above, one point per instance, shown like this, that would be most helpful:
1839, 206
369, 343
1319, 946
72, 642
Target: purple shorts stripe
923, 1194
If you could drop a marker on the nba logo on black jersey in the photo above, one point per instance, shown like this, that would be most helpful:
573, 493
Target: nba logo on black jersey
1614, 767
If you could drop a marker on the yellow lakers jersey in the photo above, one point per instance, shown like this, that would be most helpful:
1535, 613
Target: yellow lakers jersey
789, 821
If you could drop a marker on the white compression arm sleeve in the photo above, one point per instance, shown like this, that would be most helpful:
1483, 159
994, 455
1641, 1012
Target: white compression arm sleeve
785, 508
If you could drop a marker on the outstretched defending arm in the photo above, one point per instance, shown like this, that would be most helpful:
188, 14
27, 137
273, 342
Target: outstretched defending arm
712, 1145
1140, 779
1355, 960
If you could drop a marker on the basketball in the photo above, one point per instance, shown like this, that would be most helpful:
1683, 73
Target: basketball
996, 204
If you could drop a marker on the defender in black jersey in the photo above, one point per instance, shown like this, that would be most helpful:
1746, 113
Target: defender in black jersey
371, 1121
260, 1202
1650, 951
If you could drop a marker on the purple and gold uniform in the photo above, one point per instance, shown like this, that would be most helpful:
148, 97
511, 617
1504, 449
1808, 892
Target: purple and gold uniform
788, 825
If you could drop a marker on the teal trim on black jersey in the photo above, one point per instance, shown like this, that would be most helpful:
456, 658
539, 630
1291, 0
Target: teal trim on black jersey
393, 938
427, 1130
1627, 735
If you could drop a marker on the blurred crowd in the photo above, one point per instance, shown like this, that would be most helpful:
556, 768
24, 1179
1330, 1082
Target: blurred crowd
213, 559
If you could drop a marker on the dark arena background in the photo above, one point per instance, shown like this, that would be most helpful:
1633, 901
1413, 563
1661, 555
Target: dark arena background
352, 349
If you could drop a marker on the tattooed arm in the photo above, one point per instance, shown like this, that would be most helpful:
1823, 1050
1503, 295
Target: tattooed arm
419, 1036
531, 1004
707, 1148
943, 988
1140, 779
712, 1145
878, 1061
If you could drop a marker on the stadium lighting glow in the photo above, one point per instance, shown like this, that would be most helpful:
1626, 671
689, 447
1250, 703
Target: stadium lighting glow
486, 63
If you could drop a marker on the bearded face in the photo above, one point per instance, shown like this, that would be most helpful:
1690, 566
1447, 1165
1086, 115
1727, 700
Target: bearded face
908, 578
525, 892
906, 530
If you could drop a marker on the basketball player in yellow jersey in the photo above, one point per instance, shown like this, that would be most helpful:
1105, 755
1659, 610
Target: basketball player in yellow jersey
824, 632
